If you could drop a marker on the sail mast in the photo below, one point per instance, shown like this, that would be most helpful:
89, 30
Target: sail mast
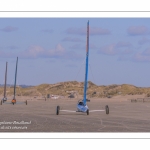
86, 66
15, 78
5, 81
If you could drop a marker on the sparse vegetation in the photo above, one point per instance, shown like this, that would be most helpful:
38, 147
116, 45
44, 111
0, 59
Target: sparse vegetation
66, 88
148, 95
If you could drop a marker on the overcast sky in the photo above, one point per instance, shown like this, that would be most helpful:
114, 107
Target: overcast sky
52, 50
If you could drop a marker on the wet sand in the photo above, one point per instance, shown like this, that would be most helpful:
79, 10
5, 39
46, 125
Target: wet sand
40, 115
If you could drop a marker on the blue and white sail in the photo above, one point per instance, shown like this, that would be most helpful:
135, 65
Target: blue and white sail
86, 66
82, 106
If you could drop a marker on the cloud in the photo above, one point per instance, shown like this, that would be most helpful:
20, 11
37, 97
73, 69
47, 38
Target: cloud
58, 52
144, 41
137, 30
116, 48
36, 51
127, 52
139, 57
71, 39
9, 29
47, 30
83, 31
143, 56
32, 52
98, 31
108, 50
79, 46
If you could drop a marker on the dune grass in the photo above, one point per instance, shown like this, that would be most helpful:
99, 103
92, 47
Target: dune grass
66, 88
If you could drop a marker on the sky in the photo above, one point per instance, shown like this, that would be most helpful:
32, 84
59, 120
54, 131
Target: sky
52, 50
